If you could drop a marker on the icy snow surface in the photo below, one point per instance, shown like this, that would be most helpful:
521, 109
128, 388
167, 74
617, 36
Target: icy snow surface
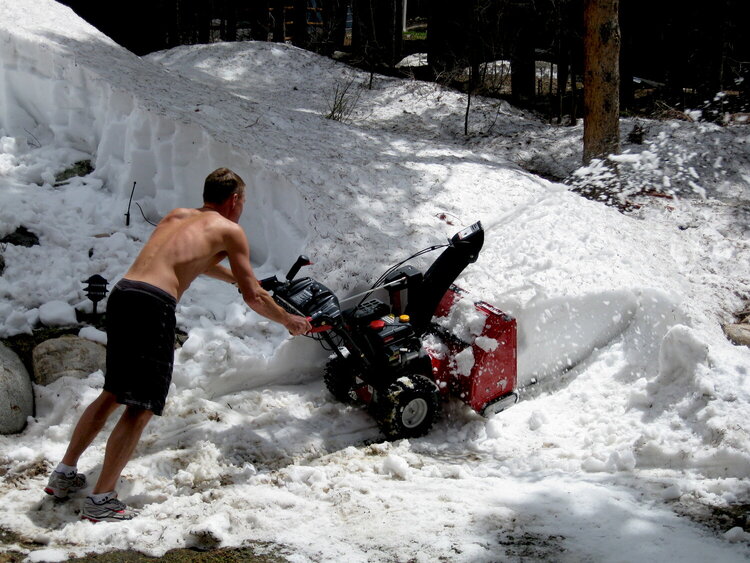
637, 426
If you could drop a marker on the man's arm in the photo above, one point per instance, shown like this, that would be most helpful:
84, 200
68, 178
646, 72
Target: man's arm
220, 272
257, 298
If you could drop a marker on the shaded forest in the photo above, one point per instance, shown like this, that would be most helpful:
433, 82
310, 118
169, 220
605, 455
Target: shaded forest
674, 55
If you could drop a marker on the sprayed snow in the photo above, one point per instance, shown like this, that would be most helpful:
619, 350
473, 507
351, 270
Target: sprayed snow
639, 414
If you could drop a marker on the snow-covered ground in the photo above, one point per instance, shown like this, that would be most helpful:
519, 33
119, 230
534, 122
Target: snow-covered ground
635, 435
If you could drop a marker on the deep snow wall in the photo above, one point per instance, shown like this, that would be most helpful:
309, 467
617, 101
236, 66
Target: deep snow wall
84, 91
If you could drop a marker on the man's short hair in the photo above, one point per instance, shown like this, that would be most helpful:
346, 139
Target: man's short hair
220, 185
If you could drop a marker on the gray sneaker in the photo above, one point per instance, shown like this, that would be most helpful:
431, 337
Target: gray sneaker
111, 510
59, 485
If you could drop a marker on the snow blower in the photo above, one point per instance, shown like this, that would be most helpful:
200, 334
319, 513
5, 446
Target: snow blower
392, 356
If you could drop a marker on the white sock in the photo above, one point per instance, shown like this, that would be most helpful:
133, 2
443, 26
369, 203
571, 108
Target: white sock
101, 498
67, 470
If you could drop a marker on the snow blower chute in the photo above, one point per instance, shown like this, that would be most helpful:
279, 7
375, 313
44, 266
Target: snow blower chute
393, 357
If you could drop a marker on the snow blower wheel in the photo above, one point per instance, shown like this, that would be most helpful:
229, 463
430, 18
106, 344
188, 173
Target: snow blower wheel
408, 407
339, 379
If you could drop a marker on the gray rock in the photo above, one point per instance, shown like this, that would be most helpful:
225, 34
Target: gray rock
67, 355
738, 333
80, 168
21, 237
16, 392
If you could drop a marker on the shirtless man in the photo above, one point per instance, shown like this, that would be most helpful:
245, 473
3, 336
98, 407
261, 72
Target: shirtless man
141, 330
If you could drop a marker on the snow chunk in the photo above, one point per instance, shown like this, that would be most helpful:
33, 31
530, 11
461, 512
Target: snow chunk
465, 362
17, 323
486, 344
463, 320
57, 313
537, 420
737, 534
48, 555
396, 466
621, 461
94, 334
680, 355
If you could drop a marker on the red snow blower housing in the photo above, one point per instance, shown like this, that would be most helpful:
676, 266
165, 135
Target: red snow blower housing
393, 356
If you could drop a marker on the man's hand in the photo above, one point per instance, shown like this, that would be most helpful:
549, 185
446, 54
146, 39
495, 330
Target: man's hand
297, 325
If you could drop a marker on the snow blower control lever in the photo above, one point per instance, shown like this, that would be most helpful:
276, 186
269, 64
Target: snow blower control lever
305, 297
301, 261
391, 356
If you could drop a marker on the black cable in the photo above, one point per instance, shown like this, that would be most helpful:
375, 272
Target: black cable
415, 255
392, 268
323, 342
127, 213
144, 215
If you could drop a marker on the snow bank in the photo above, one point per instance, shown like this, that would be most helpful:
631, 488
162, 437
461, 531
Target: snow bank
83, 92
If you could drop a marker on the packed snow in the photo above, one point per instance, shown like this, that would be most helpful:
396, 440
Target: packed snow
633, 438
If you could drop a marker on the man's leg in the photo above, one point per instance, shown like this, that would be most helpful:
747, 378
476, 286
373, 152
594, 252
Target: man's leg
65, 478
89, 425
120, 446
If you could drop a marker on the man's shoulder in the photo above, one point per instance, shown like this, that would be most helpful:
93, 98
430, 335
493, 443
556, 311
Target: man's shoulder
231, 228
180, 213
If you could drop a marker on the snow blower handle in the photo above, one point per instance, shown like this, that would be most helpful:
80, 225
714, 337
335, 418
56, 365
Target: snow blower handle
301, 261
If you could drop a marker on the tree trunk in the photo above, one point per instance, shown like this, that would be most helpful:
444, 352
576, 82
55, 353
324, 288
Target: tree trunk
204, 22
279, 28
300, 37
259, 20
601, 79
446, 38
376, 32
521, 15
334, 18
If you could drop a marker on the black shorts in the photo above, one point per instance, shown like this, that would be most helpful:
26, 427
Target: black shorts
140, 344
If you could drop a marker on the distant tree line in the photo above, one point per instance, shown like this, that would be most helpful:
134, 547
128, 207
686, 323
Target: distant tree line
686, 52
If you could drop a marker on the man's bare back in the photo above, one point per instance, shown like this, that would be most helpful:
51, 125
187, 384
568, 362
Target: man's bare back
185, 244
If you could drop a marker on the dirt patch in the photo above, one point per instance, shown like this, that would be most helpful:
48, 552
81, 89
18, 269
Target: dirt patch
535, 547
258, 553
224, 555
718, 518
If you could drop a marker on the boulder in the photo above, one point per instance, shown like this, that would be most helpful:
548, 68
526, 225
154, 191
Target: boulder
738, 333
16, 392
67, 355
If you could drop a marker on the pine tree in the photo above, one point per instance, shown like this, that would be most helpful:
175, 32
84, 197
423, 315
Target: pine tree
601, 79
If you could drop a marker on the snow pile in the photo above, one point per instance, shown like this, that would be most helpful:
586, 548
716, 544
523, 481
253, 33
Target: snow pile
672, 168
639, 412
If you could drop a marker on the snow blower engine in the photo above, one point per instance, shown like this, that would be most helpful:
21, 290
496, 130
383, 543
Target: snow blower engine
393, 357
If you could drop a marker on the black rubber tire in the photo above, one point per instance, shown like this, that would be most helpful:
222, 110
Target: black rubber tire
339, 378
408, 407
